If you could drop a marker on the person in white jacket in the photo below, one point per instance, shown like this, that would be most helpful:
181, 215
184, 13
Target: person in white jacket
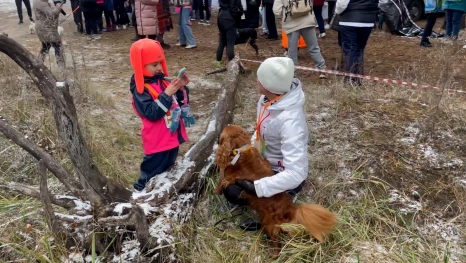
281, 133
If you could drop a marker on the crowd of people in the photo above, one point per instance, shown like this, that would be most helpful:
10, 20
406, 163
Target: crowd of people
353, 19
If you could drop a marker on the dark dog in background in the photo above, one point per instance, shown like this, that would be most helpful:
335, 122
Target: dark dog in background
247, 35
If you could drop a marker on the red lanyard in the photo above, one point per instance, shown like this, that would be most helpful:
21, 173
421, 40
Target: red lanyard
261, 114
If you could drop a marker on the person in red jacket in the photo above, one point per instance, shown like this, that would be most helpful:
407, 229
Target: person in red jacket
317, 5
162, 106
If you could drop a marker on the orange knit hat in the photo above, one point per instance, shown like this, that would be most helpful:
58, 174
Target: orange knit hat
141, 53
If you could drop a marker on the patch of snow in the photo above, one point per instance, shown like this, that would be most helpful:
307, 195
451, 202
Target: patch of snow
119, 208
148, 209
80, 205
74, 217
412, 131
407, 205
130, 252
460, 182
74, 257
174, 213
164, 181
429, 154
453, 163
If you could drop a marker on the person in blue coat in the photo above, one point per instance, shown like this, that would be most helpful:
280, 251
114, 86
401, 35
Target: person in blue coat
454, 10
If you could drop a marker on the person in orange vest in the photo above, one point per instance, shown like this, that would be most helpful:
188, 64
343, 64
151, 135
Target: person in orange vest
163, 107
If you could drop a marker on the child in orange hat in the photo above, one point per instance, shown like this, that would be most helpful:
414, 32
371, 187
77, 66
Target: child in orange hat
162, 106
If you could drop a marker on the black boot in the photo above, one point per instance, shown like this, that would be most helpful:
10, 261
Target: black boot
250, 224
165, 46
425, 43
30, 18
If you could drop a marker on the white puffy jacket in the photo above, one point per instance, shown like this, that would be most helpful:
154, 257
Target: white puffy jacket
285, 133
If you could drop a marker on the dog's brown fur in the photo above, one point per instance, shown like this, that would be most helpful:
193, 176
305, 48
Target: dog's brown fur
274, 210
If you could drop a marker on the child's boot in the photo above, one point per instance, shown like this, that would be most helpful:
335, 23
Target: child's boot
114, 27
108, 28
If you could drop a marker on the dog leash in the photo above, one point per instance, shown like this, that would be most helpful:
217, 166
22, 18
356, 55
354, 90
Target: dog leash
70, 14
229, 217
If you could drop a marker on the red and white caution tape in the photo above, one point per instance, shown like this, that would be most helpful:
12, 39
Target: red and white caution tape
393, 81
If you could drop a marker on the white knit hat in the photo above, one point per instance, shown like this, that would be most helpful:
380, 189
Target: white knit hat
276, 74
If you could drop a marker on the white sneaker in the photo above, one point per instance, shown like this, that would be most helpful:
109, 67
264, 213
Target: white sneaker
321, 35
322, 76
97, 37
201, 22
124, 26
180, 45
207, 23
327, 26
190, 46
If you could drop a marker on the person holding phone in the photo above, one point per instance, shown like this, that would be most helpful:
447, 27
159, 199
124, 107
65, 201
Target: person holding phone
162, 105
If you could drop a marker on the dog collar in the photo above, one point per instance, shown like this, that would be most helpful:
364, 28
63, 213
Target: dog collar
237, 153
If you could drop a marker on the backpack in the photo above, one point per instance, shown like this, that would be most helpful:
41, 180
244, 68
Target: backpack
298, 8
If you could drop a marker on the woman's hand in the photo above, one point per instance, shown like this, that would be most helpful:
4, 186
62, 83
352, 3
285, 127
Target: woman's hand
173, 87
247, 185
58, 5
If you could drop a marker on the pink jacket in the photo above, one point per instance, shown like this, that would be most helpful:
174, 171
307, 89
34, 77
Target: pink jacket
146, 17
155, 135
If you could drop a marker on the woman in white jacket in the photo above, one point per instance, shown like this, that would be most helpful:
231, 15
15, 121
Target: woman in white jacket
294, 27
281, 134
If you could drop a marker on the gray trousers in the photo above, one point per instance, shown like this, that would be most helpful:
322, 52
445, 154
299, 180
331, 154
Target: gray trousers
309, 36
265, 29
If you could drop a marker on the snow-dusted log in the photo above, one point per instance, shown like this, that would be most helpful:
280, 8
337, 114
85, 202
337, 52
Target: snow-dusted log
67, 202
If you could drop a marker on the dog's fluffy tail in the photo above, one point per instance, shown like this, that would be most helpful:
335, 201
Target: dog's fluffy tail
317, 221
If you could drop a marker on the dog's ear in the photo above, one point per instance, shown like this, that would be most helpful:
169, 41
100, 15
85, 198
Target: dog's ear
223, 151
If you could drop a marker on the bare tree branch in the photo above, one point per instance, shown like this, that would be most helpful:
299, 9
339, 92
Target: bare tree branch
67, 202
45, 199
57, 169
99, 189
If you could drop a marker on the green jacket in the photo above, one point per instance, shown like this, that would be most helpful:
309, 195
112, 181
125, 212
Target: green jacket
456, 5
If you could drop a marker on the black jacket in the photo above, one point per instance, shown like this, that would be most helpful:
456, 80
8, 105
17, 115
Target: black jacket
229, 15
360, 11
251, 15
144, 103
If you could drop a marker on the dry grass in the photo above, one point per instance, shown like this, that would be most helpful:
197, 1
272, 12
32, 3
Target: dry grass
386, 159
371, 148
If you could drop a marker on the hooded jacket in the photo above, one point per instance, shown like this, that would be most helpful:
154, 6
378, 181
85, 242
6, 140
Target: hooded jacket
155, 136
47, 21
284, 130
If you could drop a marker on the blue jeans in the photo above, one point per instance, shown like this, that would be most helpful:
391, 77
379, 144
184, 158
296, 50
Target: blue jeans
154, 164
319, 18
185, 32
353, 43
453, 18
